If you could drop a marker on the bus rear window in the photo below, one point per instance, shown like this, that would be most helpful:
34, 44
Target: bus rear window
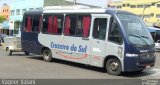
28, 24
33, 23
37, 19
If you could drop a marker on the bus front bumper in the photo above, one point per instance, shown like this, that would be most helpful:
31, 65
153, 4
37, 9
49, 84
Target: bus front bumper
137, 64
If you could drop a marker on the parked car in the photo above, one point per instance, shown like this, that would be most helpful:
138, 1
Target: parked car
12, 44
155, 32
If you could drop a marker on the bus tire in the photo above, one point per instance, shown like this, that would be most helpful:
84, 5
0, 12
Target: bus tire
26, 53
47, 55
9, 52
113, 66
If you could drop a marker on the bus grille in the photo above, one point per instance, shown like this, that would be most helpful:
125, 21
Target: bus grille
147, 56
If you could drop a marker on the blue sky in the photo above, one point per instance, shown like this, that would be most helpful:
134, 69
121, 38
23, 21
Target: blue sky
5, 1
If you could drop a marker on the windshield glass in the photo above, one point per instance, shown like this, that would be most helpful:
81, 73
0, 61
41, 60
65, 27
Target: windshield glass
136, 30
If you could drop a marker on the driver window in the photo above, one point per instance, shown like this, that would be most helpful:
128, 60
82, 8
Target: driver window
114, 34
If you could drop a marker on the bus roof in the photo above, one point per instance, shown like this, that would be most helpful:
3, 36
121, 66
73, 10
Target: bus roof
79, 9
76, 9
92, 10
66, 7
34, 12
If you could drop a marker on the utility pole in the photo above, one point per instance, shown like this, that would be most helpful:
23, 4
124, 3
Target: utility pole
109, 2
75, 2
146, 6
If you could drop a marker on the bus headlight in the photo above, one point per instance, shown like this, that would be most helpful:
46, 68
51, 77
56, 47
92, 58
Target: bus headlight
131, 55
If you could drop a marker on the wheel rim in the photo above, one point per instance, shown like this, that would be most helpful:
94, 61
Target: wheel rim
46, 55
114, 66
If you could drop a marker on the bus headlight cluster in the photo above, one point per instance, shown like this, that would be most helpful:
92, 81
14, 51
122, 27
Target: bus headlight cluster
131, 55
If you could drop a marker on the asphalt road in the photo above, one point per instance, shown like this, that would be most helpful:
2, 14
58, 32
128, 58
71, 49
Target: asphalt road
20, 66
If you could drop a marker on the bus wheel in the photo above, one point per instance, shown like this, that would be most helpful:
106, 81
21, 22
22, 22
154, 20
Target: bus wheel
113, 66
26, 53
47, 55
9, 52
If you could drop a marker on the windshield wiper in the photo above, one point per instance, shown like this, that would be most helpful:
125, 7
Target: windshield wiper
148, 38
141, 39
134, 35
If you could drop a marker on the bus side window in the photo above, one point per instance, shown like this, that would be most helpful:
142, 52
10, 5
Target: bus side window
114, 34
83, 25
45, 23
77, 25
52, 24
99, 28
59, 24
79, 30
28, 24
70, 25
36, 23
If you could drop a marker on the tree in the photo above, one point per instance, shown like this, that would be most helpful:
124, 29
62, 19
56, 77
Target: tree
2, 19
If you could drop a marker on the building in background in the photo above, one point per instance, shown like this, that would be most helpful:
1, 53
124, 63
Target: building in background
56, 2
150, 14
5, 12
18, 7
96, 3
64, 3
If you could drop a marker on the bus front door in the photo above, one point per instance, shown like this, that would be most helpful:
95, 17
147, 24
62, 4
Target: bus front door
98, 46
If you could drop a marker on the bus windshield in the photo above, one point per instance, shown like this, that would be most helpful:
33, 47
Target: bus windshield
136, 30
